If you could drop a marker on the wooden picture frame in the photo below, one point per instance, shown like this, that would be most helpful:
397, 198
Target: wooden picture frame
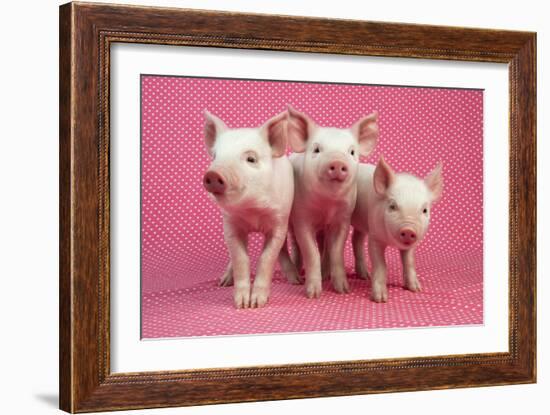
86, 33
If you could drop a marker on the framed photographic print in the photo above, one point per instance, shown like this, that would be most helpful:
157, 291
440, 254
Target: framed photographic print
259, 207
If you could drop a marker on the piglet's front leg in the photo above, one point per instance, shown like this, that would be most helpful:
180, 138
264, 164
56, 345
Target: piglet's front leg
410, 279
236, 242
336, 240
262, 283
312, 260
379, 273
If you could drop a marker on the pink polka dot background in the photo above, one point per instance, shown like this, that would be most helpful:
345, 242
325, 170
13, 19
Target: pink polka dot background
183, 252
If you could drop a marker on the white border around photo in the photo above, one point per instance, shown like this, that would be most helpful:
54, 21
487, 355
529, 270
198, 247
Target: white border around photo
130, 354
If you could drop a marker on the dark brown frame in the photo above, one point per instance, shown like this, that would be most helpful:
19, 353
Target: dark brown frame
86, 33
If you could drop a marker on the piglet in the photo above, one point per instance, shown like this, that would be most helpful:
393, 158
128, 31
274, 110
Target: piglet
325, 170
251, 180
394, 210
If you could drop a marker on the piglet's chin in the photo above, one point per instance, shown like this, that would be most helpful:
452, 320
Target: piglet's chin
334, 189
230, 198
218, 196
337, 180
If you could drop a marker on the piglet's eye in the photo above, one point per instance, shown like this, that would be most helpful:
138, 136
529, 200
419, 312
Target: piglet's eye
393, 206
251, 159
316, 150
425, 211
352, 152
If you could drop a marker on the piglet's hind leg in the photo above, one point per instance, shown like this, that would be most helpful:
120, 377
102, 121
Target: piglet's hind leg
287, 266
358, 242
227, 278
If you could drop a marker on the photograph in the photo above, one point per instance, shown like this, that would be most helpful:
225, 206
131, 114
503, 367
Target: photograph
275, 207
260, 206
285, 206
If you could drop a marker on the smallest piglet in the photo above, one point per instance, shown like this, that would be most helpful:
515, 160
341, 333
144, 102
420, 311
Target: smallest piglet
394, 210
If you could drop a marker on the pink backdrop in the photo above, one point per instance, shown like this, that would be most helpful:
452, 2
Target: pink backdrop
183, 253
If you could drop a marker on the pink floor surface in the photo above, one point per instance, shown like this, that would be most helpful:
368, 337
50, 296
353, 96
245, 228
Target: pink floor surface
183, 253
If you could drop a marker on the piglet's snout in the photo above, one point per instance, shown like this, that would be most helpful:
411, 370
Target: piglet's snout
337, 170
214, 182
407, 235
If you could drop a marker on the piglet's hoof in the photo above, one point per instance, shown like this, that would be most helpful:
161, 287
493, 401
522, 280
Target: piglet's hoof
259, 297
313, 289
293, 277
226, 279
241, 297
380, 293
341, 285
362, 273
414, 286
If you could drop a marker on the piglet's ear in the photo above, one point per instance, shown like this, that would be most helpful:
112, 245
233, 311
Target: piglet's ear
275, 130
366, 131
434, 181
300, 127
212, 127
383, 177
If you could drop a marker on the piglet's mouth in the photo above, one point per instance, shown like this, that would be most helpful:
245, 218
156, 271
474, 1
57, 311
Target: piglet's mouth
231, 195
406, 244
335, 180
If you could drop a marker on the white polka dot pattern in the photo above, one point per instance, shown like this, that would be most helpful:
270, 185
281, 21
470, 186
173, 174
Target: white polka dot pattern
183, 253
